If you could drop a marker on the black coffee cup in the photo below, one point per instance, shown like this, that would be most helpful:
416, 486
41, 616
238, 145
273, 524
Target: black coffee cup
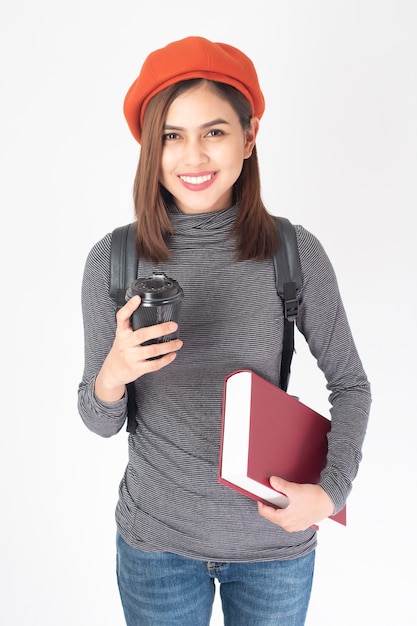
161, 301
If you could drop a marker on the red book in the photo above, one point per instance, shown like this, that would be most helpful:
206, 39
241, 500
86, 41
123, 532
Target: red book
267, 432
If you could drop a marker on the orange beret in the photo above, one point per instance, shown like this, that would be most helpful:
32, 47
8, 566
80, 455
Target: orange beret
192, 57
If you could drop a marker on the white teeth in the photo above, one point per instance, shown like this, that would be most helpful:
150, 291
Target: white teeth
196, 180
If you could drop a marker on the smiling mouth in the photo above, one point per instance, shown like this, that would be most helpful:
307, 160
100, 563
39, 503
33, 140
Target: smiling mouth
197, 180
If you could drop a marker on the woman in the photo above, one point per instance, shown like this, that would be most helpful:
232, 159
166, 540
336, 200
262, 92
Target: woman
195, 109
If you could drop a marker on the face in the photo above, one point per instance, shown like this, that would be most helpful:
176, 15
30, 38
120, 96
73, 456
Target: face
204, 146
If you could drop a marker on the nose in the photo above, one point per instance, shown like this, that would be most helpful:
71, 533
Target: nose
194, 153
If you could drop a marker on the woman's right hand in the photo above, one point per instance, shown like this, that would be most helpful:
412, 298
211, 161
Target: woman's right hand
128, 358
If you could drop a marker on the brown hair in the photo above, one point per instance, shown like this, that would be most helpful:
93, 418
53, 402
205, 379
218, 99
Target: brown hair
254, 227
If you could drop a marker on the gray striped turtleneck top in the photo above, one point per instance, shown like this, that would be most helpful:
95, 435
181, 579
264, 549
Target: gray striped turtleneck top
169, 496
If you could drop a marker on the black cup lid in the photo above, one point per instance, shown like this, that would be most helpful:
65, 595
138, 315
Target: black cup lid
155, 290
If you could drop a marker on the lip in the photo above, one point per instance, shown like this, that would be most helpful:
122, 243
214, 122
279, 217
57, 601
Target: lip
197, 181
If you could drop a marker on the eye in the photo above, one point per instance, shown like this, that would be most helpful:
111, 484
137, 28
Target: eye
214, 132
169, 137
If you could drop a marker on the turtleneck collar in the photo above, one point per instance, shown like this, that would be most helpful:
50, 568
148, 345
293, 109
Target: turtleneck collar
202, 227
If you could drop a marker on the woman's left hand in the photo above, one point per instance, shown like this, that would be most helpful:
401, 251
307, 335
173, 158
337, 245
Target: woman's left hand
308, 505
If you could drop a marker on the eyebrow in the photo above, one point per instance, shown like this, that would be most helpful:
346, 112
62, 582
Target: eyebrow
215, 122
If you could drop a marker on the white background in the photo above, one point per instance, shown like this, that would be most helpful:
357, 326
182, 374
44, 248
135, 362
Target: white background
338, 155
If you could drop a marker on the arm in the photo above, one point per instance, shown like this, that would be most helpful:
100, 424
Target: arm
323, 322
113, 352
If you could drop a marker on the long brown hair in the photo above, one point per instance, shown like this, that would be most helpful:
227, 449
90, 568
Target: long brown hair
254, 227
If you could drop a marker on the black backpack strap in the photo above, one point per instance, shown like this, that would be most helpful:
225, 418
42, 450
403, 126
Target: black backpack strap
131, 408
123, 262
123, 271
288, 280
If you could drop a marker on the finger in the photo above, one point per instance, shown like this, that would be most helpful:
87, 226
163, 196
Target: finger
154, 364
156, 331
265, 509
282, 517
124, 314
279, 484
270, 512
158, 350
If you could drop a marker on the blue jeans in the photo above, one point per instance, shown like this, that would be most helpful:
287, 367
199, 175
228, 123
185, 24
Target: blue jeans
164, 589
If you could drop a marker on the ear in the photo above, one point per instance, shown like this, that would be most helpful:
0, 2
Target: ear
250, 136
